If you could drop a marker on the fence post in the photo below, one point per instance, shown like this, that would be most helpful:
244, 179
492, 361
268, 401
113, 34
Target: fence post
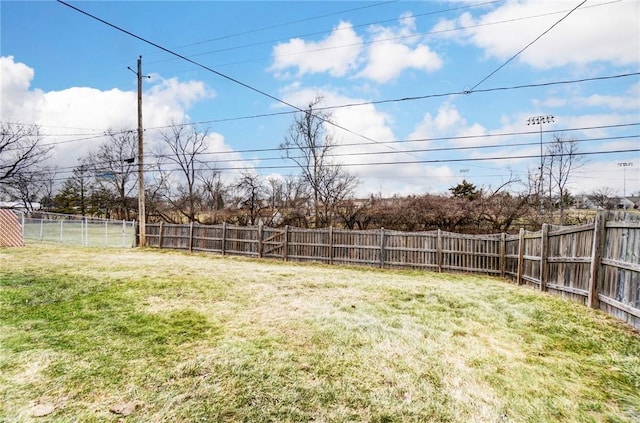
224, 238
191, 236
86, 232
543, 256
330, 244
260, 241
503, 253
285, 252
382, 245
61, 230
160, 235
439, 250
520, 255
41, 228
599, 227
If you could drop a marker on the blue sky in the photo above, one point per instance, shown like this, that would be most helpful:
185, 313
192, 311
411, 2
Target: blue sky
404, 62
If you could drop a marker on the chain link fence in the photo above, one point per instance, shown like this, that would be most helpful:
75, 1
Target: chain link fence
77, 230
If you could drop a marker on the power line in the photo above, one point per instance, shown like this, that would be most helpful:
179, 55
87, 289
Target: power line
253, 31
229, 78
415, 140
364, 103
425, 161
158, 168
372, 153
527, 46
466, 137
414, 98
420, 150
421, 34
263, 42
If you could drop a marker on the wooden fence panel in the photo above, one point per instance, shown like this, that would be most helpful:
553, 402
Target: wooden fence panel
619, 290
241, 240
357, 247
208, 238
175, 236
511, 251
531, 258
153, 234
415, 250
273, 243
308, 245
569, 261
471, 253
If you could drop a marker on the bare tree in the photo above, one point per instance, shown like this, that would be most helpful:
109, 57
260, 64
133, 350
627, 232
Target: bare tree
213, 190
156, 193
31, 187
603, 197
309, 145
498, 208
355, 214
21, 150
114, 168
251, 195
562, 159
182, 150
295, 202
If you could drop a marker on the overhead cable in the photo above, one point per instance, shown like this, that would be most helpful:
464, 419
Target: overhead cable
229, 78
527, 46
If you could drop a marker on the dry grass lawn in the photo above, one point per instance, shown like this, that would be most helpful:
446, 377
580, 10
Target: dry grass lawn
89, 334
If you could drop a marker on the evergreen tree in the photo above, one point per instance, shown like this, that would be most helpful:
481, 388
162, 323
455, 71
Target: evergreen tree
465, 190
73, 197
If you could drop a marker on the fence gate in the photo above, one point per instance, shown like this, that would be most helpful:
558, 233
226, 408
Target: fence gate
10, 229
273, 244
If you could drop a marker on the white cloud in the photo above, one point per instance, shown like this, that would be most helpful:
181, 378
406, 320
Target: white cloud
597, 33
174, 94
15, 79
394, 50
388, 59
336, 54
87, 112
449, 122
390, 51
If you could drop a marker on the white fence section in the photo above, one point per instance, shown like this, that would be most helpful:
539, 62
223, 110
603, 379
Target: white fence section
77, 230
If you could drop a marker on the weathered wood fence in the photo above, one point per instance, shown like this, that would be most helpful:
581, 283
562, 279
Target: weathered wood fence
597, 264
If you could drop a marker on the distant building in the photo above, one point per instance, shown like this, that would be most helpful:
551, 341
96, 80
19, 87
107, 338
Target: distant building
16, 205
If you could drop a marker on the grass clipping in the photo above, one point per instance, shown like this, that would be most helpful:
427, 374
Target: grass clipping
88, 333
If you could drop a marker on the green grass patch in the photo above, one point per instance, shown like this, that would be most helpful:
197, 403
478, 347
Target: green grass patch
193, 337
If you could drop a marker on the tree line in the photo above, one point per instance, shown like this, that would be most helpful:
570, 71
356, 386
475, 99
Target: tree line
181, 186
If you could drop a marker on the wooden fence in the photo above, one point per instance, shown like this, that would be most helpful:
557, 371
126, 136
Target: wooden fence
597, 264
10, 229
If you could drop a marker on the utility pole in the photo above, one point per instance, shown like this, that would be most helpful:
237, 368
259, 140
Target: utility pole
142, 219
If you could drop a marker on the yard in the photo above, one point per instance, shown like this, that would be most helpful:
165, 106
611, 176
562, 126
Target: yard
93, 334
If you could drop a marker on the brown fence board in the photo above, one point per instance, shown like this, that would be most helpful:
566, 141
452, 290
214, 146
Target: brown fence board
569, 261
